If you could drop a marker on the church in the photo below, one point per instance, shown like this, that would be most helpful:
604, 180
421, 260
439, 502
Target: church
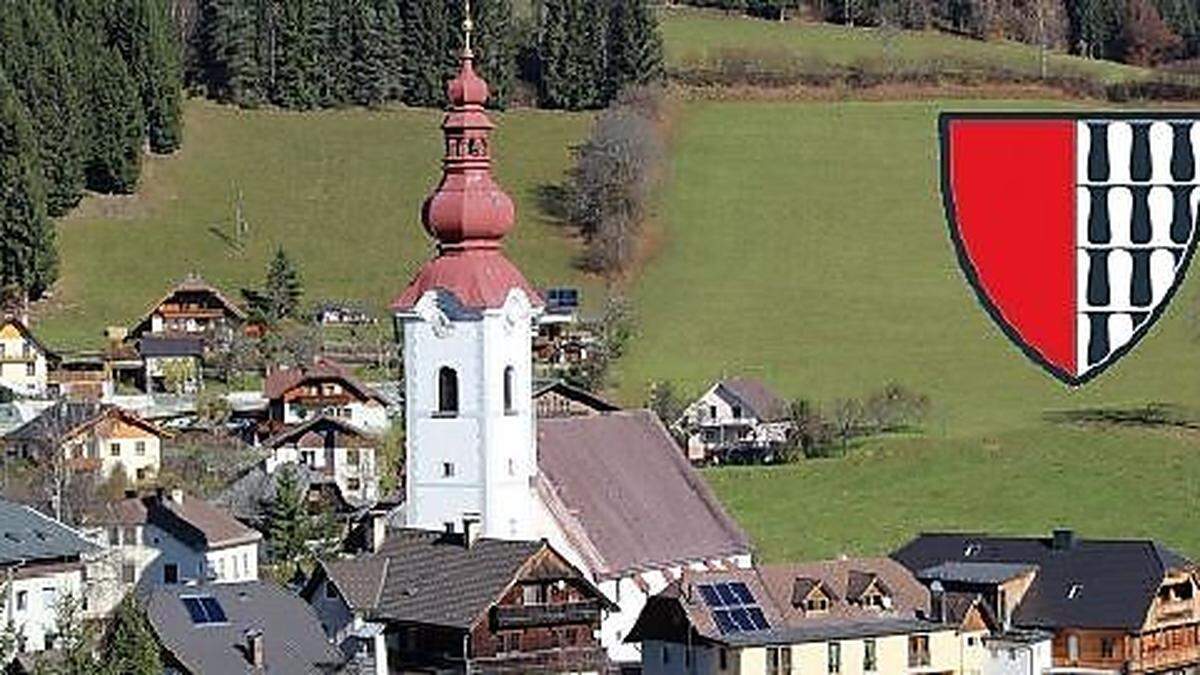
611, 491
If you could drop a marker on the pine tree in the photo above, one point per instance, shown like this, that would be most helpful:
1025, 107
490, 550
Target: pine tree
283, 289
287, 521
27, 256
295, 85
592, 36
635, 46
427, 52
162, 83
555, 54
368, 72
391, 47
130, 647
114, 161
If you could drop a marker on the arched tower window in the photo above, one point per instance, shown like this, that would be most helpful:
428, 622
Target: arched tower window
447, 391
508, 390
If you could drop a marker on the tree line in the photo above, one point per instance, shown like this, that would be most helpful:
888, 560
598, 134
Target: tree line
84, 85
1140, 32
304, 54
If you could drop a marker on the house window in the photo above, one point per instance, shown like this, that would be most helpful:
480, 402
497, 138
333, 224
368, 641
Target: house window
246, 563
139, 448
1107, 648
779, 660
352, 456
353, 484
447, 469
536, 594
30, 369
22, 600
666, 655
1072, 648
114, 449
835, 657
723, 658
128, 573
447, 391
510, 642
140, 474
870, 655
220, 568
737, 412
25, 350
918, 651
130, 536
818, 604
170, 573
49, 597
508, 390
114, 536
712, 412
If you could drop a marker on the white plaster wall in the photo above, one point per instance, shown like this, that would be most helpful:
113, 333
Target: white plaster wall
128, 459
39, 614
1018, 659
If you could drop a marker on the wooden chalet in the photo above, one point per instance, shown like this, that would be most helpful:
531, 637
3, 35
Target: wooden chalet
297, 394
556, 398
431, 601
1127, 606
193, 307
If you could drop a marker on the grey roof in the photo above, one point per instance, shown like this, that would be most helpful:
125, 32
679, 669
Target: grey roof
293, 640
432, 578
832, 630
153, 346
975, 572
26, 535
757, 397
248, 496
57, 420
625, 486
1117, 579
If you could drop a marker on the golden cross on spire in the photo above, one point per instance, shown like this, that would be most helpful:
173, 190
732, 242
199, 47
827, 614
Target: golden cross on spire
468, 26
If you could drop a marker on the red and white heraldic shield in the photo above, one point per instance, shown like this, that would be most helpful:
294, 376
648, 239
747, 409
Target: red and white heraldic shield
1075, 230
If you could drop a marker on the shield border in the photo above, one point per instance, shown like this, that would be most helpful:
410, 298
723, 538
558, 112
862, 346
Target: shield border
968, 267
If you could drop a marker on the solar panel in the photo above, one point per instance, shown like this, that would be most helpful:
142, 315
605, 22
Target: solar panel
724, 622
204, 610
710, 596
733, 607
216, 613
757, 618
727, 595
743, 593
194, 610
742, 618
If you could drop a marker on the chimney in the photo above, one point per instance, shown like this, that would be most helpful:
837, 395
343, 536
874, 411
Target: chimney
254, 648
177, 496
471, 527
937, 602
378, 532
1063, 540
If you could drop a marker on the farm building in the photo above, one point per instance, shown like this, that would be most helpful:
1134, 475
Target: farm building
192, 307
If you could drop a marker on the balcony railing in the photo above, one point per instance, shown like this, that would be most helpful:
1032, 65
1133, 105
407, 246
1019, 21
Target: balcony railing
558, 660
525, 616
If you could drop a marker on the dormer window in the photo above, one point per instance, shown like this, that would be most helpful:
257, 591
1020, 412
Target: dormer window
812, 595
447, 392
817, 604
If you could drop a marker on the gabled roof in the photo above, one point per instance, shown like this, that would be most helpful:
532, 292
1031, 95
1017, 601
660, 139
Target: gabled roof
194, 283
249, 495
293, 640
621, 488
845, 580
422, 576
28, 335
193, 521
28, 536
1115, 581
295, 433
543, 387
281, 381
68, 418
757, 398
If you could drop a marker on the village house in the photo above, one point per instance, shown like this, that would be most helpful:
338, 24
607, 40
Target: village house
611, 493
192, 307
42, 562
556, 398
426, 601
250, 495
24, 361
169, 537
296, 395
250, 627
331, 446
82, 377
1112, 606
343, 313
846, 616
92, 437
735, 413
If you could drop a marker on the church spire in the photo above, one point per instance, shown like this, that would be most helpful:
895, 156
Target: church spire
468, 213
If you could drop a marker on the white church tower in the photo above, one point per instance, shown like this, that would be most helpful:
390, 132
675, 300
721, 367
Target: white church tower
467, 331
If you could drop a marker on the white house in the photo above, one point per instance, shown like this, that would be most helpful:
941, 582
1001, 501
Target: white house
24, 361
1019, 653
610, 491
298, 394
42, 562
334, 447
734, 412
173, 538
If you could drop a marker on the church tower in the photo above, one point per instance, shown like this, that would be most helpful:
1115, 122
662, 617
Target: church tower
467, 330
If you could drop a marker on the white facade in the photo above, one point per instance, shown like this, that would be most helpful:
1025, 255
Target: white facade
31, 602
478, 460
718, 420
23, 365
370, 415
1018, 657
139, 455
353, 469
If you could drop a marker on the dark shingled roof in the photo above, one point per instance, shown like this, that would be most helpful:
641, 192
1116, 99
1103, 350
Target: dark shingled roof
625, 486
67, 417
293, 640
543, 387
28, 536
975, 572
758, 399
170, 346
1117, 579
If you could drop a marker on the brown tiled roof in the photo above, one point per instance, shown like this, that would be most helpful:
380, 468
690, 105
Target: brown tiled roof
758, 397
626, 488
281, 381
197, 522
360, 580
194, 283
300, 432
842, 576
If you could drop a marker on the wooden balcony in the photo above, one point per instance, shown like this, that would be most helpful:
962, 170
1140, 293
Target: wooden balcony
1172, 612
559, 660
507, 617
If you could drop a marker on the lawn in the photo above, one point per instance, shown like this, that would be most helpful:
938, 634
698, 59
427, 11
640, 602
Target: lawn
806, 245
340, 190
1104, 484
696, 36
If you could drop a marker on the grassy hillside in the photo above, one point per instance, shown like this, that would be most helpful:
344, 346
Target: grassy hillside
1110, 484
806, 244
693, 35
341, 190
